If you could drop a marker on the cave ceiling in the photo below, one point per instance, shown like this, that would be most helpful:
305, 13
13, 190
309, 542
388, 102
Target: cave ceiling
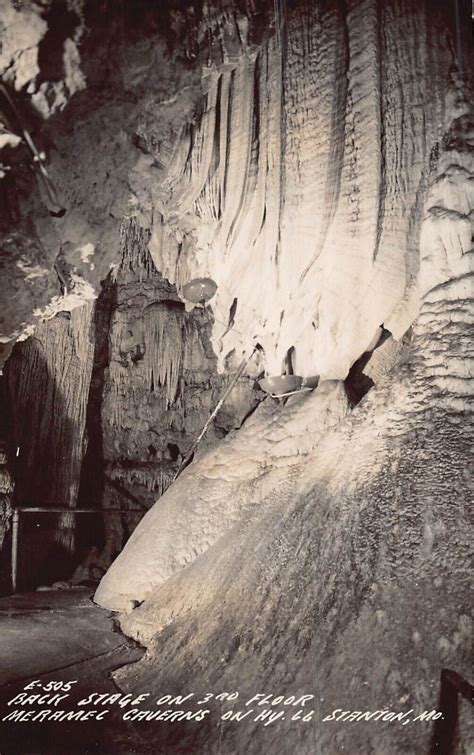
264, 145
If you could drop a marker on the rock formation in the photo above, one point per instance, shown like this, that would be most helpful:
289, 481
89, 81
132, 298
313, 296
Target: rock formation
153, 386
315, 160
359, 564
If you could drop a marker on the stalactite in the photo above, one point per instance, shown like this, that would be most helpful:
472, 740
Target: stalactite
120, 393
164, 348
155, 479
135, 255
284, 176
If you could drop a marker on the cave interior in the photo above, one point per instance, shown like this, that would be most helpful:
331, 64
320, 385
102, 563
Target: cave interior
236, 368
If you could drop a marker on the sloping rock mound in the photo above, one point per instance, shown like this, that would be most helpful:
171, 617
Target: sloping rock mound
351, 584
249, 469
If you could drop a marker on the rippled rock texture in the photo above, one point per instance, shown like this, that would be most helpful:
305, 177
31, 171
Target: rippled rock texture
307, 170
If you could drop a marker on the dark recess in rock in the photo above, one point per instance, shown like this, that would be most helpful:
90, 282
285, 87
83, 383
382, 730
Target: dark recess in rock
357, 384
62, 23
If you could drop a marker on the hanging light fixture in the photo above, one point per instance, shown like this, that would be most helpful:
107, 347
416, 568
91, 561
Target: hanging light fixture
281, 385
199, 290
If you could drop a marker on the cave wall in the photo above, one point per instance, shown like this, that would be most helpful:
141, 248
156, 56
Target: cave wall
46, 388
315, 159
103, 405
84, 78
47, 381
352, 585
254, 142
350, 581
6, 490
32, 33
153, 387
307, 170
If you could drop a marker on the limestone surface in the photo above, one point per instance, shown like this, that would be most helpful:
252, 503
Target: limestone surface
351, 581
249, 469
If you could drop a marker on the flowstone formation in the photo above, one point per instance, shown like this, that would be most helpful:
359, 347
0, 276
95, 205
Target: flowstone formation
360, 563
350, 581
246, 471
351, 584
302, 170
253, 142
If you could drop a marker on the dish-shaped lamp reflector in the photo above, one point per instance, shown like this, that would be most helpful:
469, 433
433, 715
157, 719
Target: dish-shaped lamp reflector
278, 385
199, 290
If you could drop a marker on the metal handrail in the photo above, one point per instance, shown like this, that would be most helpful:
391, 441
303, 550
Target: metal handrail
452, 686
214, 412
49, 510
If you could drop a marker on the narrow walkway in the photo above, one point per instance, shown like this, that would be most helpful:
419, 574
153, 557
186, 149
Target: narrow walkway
60, 636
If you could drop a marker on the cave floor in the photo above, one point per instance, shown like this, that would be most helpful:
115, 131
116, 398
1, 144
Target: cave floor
60, 636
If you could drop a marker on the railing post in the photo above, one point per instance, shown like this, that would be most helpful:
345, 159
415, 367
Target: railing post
15, 523
48, 510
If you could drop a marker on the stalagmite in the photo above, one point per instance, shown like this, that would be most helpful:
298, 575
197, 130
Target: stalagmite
47, 380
